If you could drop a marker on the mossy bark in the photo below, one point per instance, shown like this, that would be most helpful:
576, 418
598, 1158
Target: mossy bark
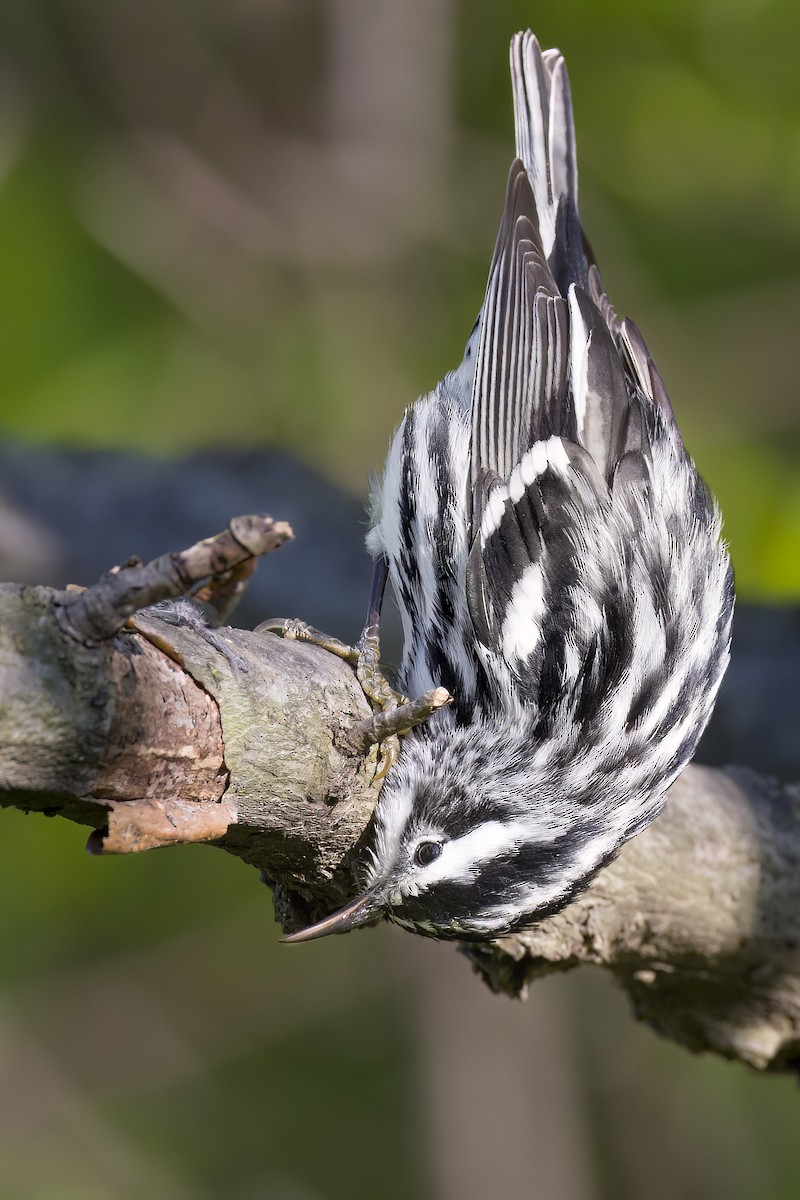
168, 733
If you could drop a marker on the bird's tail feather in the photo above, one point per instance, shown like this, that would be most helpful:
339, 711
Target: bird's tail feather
545, 136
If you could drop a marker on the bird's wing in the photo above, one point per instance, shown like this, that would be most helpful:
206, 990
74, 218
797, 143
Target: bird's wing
566, 401
550, 402
520, 383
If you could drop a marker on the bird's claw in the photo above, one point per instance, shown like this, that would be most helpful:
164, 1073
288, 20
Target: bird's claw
388, 754
295, 630
365, 658
374, 684
393, 714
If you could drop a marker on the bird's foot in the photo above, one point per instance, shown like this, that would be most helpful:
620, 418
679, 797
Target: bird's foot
393, 713
295, 630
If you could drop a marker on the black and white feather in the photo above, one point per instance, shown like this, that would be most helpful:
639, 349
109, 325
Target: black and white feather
558, 566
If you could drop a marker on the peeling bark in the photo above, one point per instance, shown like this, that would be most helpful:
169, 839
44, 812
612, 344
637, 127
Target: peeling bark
171, 733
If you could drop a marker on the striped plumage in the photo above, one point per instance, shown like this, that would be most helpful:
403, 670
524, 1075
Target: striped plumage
558, 566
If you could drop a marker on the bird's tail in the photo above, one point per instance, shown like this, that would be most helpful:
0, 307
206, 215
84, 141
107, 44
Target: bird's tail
545, 135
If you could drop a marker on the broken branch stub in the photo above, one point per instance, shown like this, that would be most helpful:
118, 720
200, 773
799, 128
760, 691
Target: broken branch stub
227, 559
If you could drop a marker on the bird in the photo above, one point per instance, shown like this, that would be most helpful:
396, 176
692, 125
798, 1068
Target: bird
559, 568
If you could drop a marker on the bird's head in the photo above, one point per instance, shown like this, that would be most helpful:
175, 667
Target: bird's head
458, 850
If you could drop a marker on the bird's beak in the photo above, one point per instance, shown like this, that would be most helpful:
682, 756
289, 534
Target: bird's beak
356, 913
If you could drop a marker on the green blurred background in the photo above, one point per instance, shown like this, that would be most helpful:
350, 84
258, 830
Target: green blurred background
268, 222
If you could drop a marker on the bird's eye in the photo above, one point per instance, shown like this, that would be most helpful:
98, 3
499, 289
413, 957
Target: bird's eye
427, 852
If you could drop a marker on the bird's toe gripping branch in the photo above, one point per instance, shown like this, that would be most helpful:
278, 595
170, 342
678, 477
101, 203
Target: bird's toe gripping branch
385, 728
393, 713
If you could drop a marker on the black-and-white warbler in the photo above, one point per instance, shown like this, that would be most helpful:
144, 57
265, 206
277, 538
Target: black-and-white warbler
558, 566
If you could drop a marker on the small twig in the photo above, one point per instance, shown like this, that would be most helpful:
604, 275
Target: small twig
224, 593
227, 560
401, 720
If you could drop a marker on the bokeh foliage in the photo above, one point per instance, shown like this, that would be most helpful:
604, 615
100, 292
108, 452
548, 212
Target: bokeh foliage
269, 222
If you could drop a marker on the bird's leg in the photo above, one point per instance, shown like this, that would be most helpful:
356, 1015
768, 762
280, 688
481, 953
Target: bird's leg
393, 713
376, 687
365, 656
385, 700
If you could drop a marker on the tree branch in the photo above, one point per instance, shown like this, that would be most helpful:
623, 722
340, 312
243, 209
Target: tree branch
168, 732
698, 919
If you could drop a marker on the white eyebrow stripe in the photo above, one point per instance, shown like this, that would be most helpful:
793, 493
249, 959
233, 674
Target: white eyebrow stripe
461, 857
